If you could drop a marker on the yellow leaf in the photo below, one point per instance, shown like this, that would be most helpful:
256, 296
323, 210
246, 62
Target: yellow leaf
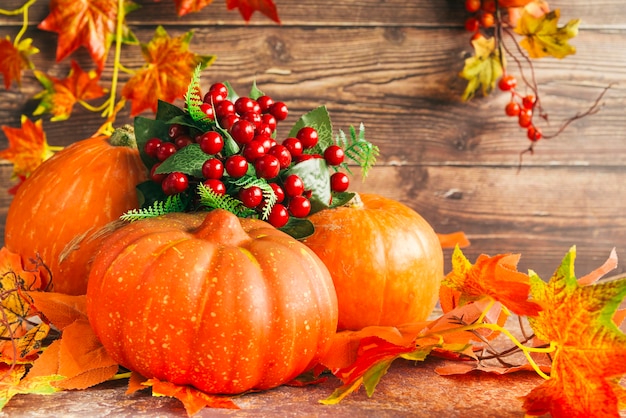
12, 383
483, 69
543, 36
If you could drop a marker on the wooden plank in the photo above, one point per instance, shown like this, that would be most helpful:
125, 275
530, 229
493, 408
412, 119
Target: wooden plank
402, 84
422, 13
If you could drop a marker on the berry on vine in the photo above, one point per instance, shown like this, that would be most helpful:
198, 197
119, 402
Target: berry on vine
299, 206
339, 182
525, 117
152, 146
529, 101
242, 131
512, 109
533, 133
334, 155
166, 150
236, 166
217, 186
308, 137
267, 166
278, 215
294, 146
212, 168
278, 192
282, 153
211, 142
265, 102
472, 6
507, 82
293, 185
279, 111
251, 196
175, 183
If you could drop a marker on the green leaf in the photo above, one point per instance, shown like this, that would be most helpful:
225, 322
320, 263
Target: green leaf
146, 129
372, 376
251, 180
255, 93
174, 203
298, 228
194, 99
358, 149
167, 111
314, 173
148, 193
319, 119
232, 94
340, 199
210, 199
187, 160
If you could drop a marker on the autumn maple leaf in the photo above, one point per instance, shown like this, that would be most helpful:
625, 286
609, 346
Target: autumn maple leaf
60, 95
28, 146
87, 23
543, 37
590, 354
496, 277
247, 7
483, 68
189, 6
166, 74
14, 59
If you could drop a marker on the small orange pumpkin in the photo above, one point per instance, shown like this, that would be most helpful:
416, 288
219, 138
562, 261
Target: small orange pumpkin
385, 260
68, 198
220, 303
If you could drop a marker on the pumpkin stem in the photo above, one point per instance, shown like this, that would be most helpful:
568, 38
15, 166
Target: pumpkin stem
124, 137
355, 202
220, 225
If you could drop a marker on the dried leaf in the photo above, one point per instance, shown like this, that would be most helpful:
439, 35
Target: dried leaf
12, 383
483, 69
166, 74
14, 59
454, 239
28, 147
60, 309
248, 7
496, 277
544, 38
60, 95
193, 399
188, 6
87, 23
590, 354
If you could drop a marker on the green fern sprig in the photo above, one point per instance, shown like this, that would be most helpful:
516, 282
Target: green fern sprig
173, 203
212, 200
193, 99
268, 193
358, 149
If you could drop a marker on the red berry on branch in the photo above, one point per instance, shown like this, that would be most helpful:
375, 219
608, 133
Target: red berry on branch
251, 196
507, 83
267, 166
217, 186
472, 24
334, 155
279, 111
512, 109
278, 215
534, 133
211, 142
308, 136
472, 6
529, 101
236, 166
212, 168
293, 185
175, 183
152, 146
299, 206
166, 150
339, 182
294, 146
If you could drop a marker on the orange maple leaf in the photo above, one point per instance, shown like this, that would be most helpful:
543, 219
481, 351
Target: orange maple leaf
188, 6
78, 355
60, 95
88, 23
247, 7
590, 355
166, 74
14, 59
28, 147
496, 277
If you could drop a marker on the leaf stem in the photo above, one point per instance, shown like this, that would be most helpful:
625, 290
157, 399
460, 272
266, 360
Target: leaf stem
24, 12
94, 108
110, 104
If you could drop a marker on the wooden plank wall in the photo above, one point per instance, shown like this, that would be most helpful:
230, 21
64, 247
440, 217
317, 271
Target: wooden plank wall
393, 65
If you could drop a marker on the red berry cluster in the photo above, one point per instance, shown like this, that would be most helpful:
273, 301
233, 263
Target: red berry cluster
251, 124
482, 16
521, 107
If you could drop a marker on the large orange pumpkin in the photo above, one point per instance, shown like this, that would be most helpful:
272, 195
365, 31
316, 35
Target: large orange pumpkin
385, 260
67, 199
220, 303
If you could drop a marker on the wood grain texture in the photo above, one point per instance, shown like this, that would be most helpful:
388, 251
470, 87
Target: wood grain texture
394, 66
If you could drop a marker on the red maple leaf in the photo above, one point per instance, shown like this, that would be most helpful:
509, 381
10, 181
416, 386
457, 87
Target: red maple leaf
188, 6
27, 147
496, 277
167, 72
88, 23
14, 59
60, 95
247, 7
590, 355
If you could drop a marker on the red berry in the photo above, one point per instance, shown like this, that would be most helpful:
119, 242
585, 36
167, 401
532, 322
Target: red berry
253, 150
525, 117
293, 185
278, 215
472, 6
299, 206
264, 103
157, 178
528, 102
207, 109
224, 108
507, 83
294, 146
152, 146
512, 109
534, 133
472, 24
245, 104
278, 192
279, 110
165, 151
175, 183
269, 120
211, 142
487, 19
182, 141
339, 182
282, 153
212, 168
308, 136
214, 96
228, 121
305, 157
236, 166
175, 130
217, 186
267, 166
242, 131
219, 88
334, 155
253, 117
264, 129
251, 196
